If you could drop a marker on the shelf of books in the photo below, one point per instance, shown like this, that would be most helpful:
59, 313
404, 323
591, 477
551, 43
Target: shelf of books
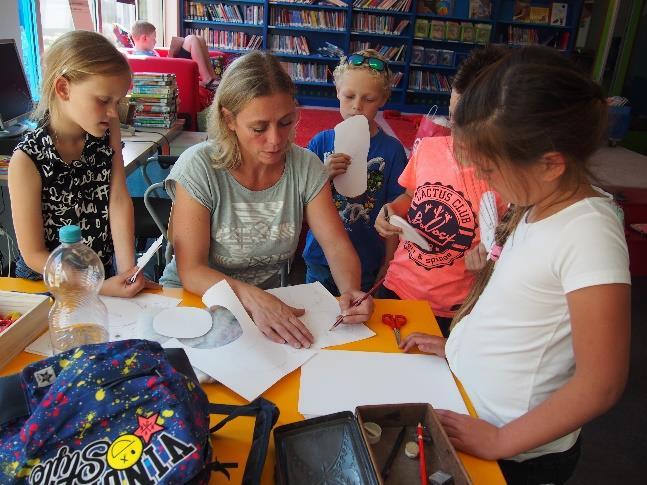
424, 40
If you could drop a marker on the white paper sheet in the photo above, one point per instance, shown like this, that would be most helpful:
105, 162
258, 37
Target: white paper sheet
352, 137
252, 363
122, 318
488, 219
336, 380
322, 310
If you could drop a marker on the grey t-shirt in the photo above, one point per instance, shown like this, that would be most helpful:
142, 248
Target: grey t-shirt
253, 233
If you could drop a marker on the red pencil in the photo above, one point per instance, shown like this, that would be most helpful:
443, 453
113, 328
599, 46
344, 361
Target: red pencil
423, 465
359, 301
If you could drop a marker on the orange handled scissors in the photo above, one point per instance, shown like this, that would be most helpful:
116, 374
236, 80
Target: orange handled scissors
396, 322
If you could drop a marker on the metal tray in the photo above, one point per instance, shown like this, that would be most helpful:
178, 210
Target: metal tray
327, 449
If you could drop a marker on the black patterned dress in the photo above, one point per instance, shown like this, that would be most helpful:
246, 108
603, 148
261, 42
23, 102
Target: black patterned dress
75, 193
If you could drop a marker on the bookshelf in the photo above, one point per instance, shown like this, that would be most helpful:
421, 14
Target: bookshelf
423, 47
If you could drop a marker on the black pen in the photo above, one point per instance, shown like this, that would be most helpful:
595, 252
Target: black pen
394, 451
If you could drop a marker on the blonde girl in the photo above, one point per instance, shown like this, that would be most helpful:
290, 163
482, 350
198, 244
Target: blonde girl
70, 170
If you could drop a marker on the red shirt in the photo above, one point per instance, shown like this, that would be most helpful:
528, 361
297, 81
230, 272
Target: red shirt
444, 210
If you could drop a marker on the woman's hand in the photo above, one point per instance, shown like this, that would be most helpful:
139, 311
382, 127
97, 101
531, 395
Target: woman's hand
429, 344
472, 435
275, 319
476, 258
336, 164
120, 285
355, 314
382, 226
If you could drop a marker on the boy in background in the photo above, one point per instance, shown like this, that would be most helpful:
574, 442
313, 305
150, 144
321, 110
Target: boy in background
144, 37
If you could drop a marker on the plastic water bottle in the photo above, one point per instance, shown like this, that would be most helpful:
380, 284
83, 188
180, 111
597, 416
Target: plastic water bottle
74, 275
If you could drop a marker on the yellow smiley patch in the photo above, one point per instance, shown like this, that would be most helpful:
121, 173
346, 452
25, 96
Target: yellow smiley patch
124, 452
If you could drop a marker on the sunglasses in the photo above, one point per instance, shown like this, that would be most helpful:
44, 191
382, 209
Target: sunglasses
372, 62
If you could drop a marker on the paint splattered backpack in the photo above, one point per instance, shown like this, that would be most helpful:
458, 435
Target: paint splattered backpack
124, 412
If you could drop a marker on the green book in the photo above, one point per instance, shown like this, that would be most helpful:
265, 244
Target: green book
421, 28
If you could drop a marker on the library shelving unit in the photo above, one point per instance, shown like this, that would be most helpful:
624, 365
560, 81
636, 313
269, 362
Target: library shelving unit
424, 40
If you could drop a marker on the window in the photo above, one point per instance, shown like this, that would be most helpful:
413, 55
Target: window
123, 13
55, 20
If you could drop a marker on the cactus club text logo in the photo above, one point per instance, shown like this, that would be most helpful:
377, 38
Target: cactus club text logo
446, 219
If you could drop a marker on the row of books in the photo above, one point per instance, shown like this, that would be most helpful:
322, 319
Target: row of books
525, 11
429, 81
393, 5
308, 18
525, 36
378, 24
452, 31
432, 57
227, 39
289, 44
333, 3
390, 52
154, 96
309, 72
220, 12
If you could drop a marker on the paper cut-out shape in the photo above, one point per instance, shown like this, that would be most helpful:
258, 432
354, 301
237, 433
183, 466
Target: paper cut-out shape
488, 219
182, 322
353, 137
409, 233
251, 363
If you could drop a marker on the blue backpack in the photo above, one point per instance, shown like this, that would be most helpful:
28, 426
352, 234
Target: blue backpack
116, 413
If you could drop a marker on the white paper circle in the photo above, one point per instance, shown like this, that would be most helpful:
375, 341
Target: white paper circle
182, 322
409, 233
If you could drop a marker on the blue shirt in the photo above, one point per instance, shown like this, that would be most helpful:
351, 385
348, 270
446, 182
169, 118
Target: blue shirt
386, 161
145, 52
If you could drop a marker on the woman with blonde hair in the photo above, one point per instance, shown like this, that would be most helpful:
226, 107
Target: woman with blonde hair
70, 169
241, 196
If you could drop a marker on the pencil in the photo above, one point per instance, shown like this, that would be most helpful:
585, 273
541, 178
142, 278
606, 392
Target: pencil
423, 464
359, 301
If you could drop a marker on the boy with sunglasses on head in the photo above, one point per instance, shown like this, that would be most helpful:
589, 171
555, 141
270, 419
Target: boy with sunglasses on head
363, 82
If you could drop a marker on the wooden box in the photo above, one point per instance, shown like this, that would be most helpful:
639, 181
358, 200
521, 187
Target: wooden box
439, 453
31, 324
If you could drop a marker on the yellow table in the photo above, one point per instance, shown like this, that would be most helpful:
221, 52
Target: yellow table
232, 442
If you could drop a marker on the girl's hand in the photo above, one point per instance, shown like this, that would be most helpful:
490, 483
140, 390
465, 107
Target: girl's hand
476, 258
429, 344
336, 164
276, 320
472, 435
358, 314
119, 285
382, 226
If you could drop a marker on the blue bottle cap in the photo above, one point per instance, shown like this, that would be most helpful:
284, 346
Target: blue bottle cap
69, 234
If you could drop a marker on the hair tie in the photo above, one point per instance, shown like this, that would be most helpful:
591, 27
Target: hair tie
494, 253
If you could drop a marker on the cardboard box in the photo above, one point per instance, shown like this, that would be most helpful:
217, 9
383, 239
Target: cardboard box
336, 449
31, 324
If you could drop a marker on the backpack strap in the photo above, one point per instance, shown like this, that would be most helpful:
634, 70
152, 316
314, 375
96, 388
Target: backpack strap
266, 414
14, 402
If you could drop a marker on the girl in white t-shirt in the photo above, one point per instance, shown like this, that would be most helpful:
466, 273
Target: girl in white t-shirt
542, 344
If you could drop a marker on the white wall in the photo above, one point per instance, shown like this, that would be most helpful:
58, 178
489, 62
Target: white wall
9, 28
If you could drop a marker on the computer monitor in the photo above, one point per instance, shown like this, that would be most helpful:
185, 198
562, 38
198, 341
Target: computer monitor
15, 98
